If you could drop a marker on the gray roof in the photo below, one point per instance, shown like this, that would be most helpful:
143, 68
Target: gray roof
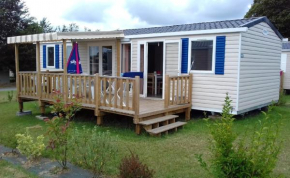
203, 26
286, 45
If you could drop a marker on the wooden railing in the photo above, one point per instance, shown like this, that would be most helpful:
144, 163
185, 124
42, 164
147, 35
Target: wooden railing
27, 84
81, 86
119, 92
177, 90
50, 83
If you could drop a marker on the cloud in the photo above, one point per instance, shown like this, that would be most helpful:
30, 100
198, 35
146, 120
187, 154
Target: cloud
125, 14
169, 12
88, 11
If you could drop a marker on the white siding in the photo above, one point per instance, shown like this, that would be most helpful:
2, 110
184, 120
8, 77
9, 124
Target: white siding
259, 67
171, 58
287, 73
208, 90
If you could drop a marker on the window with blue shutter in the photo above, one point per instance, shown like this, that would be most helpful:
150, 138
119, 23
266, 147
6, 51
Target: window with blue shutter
220, 55
184, 55
57, 56
44, 56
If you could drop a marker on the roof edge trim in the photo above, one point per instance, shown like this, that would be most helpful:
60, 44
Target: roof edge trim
196, 32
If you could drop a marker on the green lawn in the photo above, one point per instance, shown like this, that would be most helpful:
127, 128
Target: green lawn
7, 171
170, 156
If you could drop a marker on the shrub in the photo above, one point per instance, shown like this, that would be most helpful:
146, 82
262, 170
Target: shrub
92, 149
30, 147
10, 95
59, 128
131, 167
253, 156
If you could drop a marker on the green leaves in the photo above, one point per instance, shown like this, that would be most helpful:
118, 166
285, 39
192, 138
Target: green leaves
252, 156
29, 146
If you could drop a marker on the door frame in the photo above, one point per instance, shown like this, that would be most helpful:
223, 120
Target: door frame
145, 74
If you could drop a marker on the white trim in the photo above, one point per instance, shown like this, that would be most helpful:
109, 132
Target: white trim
213, 38
49, 46
196, 32
127, 42
138, 65
212, 110
239, 69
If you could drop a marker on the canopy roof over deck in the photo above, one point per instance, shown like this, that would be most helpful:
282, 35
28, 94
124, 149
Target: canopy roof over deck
58, 36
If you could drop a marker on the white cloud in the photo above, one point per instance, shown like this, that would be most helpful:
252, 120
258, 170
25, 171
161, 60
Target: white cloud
125, 14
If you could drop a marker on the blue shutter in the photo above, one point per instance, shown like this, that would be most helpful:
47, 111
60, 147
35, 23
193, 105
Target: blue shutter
184, 55
220, 55
44, 57
57, 56
62, 56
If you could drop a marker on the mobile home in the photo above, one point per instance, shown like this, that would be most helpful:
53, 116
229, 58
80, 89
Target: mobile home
285, 63
188, 66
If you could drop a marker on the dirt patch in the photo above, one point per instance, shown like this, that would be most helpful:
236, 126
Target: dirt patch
11, 154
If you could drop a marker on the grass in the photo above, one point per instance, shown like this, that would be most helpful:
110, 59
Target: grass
169, 156
8, 170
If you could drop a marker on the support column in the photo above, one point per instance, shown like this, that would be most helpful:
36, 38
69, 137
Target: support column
118, 57
17, 77
100, 118
65, 88
39, 81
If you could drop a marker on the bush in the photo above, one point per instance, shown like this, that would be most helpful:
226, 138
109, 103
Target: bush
59, 128
10, 95
92, 149
30, 147
131, 167
255, 157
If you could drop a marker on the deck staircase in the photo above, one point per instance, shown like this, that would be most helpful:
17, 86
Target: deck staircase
157, 126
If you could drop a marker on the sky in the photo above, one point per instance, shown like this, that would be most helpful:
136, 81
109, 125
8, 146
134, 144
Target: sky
126, 14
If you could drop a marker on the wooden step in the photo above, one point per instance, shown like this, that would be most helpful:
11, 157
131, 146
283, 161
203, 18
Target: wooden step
166, 128
157, 120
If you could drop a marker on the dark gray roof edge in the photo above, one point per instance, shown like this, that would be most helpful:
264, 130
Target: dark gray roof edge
266, 20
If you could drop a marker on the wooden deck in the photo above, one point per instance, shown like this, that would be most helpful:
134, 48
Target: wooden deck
105, 94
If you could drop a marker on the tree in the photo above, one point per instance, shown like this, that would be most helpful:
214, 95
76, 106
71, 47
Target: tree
14, 21
73, 27
278, 12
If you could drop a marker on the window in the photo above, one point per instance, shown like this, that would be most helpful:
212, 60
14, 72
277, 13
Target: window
107, 60
68, 50
94, 59
202, 55
50, 56
126, 58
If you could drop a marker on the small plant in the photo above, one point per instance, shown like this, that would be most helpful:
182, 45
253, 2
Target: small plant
251, 156
29, 146
59, 128
92, 149
10, 95
132, 167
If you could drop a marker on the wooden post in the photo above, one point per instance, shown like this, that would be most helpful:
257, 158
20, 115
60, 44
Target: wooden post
39, 81
137, 95
190, 89
167, 91
17, 70
65, 88
96, 93
42, 108
118, 47
136, 104
281, 82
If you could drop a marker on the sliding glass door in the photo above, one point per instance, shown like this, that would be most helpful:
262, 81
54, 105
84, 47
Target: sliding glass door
101, 60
